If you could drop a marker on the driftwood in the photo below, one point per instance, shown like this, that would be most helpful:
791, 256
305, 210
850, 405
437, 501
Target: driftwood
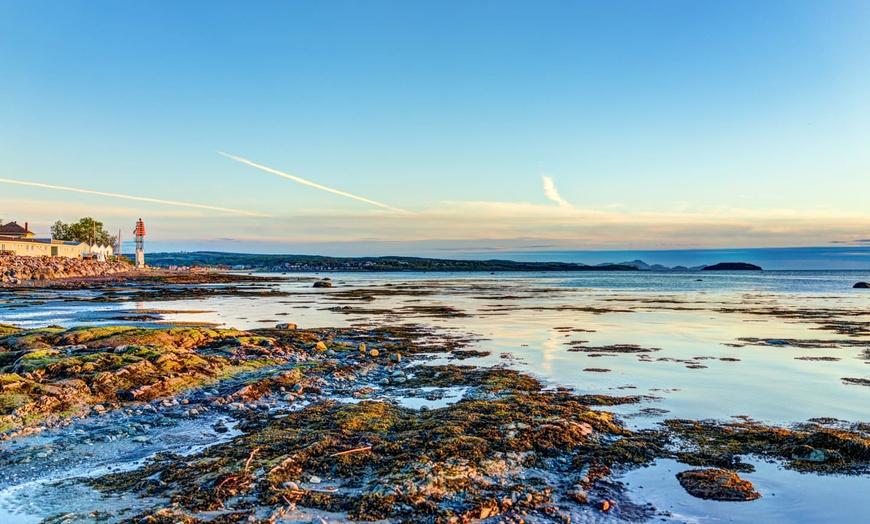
357, 450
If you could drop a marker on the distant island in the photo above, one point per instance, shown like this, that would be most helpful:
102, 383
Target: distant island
733, 266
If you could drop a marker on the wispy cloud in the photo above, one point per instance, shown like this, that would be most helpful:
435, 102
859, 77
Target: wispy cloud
552, 193
314, 184
505, 223
130, 197
496, 249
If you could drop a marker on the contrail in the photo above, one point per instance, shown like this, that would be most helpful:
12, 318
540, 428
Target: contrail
315, 185
128, 197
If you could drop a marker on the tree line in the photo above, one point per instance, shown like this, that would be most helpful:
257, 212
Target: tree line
86, 230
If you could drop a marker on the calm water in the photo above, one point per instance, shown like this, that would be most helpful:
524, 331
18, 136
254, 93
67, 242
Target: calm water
694, 320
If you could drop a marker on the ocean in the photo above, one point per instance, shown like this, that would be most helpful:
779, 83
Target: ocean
771, 346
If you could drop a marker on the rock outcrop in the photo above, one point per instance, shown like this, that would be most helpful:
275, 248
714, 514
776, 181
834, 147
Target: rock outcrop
15, 270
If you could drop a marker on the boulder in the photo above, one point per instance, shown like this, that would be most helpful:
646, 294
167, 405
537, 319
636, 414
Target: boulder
717, 484
809, 454
323, 283
862, 285
286, 325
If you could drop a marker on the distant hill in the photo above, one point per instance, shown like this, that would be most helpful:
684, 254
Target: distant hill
285, 263
643, 266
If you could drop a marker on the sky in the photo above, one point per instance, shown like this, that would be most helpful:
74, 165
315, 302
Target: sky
413, 128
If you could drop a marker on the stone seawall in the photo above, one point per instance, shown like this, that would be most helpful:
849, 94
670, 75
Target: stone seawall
15, 270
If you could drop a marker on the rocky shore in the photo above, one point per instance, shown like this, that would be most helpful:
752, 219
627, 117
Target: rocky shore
353, 424
17, 270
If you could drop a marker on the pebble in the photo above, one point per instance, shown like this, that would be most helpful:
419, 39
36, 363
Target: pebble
99, 408
141, 439
362, 347
398, 373
395, 357
320, 346
374, 353
298, 388
384, 382
400, 380
291, 486
314, 479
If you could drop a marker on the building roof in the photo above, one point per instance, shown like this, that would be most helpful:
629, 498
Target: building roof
19, 239
13, 229
42, 241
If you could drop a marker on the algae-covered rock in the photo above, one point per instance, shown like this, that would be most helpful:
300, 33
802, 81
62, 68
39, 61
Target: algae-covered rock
55, 372
717, 484
6, 329
816, 446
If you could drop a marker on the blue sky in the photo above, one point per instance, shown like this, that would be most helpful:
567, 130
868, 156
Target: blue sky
659, 125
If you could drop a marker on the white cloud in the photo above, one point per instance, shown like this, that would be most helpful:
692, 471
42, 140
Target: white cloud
552, 193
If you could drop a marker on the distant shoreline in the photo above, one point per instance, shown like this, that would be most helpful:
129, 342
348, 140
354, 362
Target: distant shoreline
307, 263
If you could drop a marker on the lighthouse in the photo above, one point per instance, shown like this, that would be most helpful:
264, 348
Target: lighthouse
139, 233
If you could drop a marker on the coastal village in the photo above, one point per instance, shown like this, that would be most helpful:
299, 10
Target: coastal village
20, 241
23, 257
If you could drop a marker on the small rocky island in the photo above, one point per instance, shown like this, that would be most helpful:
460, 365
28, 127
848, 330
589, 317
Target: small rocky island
732, 266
